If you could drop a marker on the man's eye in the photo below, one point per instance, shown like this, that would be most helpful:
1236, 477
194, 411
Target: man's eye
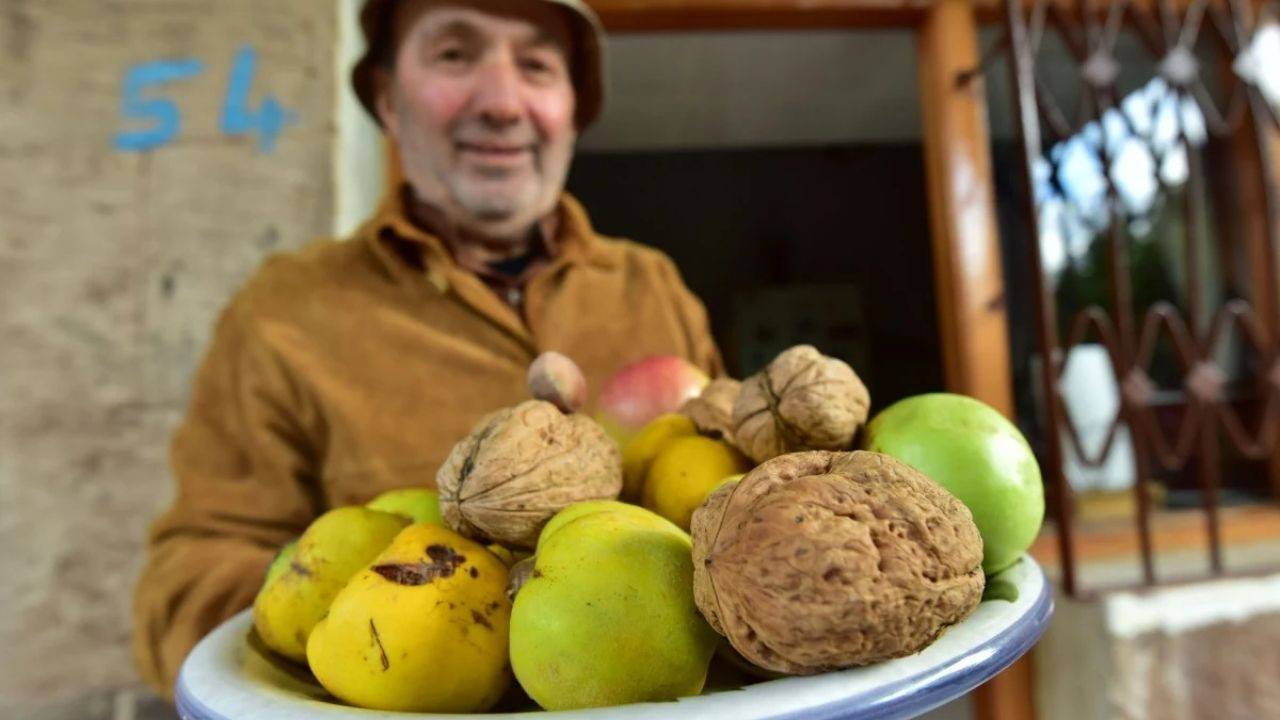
539, 66
451, 55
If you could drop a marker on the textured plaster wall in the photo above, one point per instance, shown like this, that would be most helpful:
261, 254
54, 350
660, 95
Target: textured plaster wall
113, 266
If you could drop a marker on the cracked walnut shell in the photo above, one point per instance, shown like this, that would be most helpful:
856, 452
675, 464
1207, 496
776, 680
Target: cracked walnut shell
712, 411
803, 400
817, 561
521, 465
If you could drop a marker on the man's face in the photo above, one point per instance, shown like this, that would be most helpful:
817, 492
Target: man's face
481, 105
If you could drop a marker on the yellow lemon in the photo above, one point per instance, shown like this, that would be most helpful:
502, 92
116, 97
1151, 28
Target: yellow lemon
639, 453
685, 472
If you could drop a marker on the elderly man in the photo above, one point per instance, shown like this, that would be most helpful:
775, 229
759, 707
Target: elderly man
350, 368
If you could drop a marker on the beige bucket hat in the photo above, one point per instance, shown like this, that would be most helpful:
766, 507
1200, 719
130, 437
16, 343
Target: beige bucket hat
586, 65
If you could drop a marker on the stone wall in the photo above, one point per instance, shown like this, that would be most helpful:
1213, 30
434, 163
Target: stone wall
1207, 650
113, 265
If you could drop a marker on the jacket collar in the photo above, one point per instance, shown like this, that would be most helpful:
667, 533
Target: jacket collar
575, 241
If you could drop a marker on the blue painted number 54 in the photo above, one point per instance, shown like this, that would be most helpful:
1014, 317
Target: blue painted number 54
157, 120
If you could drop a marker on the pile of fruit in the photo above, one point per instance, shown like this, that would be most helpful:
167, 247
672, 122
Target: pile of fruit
731, 520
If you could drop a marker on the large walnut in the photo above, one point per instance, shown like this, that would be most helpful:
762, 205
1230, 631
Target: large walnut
803, 400
712, 411
817, 561
520, 466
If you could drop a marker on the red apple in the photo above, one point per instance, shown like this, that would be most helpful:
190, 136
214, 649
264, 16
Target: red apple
644, 390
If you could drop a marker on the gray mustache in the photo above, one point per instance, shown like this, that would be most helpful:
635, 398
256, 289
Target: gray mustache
501, 141
482, 133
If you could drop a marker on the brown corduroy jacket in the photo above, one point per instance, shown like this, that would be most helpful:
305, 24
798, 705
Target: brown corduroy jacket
349, 368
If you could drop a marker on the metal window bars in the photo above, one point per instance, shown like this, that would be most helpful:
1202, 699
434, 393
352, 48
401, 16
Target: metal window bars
1075, 169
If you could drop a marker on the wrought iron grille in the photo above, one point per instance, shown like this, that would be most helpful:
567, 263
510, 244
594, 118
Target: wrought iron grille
1196, 373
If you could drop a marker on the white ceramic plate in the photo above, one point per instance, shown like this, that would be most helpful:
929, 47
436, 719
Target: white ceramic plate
226, 678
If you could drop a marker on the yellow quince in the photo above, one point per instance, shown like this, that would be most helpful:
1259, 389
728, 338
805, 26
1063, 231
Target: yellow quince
424, 628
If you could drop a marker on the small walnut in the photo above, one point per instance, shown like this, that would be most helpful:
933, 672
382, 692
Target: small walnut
521, 465
712, 411
558, 380
817, 561
803, 400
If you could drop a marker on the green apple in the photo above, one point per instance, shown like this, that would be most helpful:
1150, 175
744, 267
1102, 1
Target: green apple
591, 507
970, 449
305, 577
727, 480
281, 562
420, 505
607, 615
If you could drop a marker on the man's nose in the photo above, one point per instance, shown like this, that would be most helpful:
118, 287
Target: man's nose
498, 95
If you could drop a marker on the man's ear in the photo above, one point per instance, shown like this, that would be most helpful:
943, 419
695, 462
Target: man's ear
384, 102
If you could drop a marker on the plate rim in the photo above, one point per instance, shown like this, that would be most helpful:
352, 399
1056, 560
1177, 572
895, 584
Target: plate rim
907, 696
947, 681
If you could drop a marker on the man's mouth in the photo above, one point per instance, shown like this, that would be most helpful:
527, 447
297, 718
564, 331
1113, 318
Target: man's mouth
494, 151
